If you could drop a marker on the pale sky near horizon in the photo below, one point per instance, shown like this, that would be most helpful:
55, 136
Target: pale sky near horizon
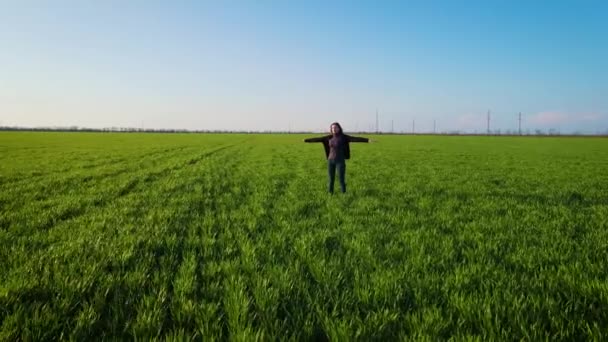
278, 65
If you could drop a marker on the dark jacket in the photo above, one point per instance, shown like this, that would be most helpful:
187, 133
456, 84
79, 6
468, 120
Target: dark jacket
325, 141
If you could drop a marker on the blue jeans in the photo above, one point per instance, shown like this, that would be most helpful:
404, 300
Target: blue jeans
332, 165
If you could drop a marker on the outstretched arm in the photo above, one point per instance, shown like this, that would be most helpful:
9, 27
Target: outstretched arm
357, 139
313, 140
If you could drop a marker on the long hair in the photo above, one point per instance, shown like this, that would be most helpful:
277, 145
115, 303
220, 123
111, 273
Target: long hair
337, 124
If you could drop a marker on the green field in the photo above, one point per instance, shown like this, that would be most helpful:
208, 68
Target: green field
234, 237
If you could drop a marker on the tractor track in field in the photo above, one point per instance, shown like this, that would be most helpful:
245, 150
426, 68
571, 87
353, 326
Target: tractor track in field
131, 185
33, 180
180, 222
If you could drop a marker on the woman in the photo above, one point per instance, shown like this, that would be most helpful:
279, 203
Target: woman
337, 150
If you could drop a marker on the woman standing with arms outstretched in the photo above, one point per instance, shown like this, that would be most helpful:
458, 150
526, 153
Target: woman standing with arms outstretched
337, 151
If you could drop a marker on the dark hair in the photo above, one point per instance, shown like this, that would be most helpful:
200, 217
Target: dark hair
337, 124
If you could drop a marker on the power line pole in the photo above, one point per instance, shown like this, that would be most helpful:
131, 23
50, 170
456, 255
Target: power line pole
434, 126
413, 126
488, 122
392, 126
377, 121
519, 123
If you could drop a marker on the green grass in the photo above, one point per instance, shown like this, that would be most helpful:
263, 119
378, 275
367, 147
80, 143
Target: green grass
234, 237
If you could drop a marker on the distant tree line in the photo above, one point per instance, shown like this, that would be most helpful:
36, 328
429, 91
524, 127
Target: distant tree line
133, 130
498, 132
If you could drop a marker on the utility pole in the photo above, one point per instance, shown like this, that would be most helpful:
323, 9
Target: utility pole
488, 122
519, 123
377, 121
413, 126
434, 126
392, 126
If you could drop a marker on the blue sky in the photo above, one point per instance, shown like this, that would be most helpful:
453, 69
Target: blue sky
270, 65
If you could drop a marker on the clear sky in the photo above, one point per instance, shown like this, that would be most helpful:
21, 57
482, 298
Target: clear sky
300, 65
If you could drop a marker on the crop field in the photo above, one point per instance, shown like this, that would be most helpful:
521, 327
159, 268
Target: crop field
216, 237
